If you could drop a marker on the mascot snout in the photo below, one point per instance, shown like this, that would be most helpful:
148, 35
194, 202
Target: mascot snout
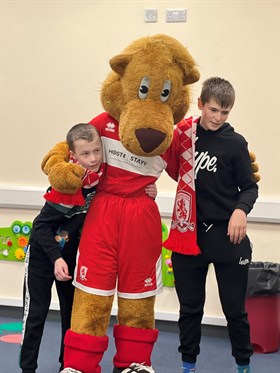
149, 139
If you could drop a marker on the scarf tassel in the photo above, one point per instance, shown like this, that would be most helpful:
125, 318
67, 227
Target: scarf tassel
173, 244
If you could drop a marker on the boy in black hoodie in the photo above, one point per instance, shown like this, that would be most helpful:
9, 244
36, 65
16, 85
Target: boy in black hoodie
225, 194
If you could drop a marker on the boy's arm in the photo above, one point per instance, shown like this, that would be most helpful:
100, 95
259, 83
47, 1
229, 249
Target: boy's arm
44, 229
248, 194
248, 187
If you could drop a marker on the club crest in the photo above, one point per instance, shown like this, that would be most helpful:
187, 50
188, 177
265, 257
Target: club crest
183, 213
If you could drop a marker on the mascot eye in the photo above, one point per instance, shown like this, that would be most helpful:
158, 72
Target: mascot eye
144, 88
165, 91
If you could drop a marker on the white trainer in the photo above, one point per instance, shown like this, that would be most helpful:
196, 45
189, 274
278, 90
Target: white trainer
139, 368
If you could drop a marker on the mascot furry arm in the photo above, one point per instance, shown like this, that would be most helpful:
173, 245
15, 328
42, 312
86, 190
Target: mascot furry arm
255, 167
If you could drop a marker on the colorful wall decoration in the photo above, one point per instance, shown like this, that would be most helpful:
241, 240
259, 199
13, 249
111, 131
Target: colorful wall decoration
167, 270
14, 241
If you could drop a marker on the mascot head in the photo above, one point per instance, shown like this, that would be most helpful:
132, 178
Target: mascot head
148, 92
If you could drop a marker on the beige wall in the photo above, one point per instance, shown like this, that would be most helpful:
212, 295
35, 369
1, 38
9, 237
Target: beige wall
55, 57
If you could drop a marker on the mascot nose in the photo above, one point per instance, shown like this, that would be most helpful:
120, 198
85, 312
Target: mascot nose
149, 138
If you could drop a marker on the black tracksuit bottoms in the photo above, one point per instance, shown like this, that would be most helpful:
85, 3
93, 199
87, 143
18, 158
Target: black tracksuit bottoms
39, 278
231, 264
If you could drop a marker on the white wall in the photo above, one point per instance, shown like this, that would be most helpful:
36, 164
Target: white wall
55, 56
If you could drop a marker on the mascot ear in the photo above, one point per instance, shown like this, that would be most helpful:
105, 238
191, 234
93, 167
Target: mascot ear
190, 72
119, 62
187, 64
192, 77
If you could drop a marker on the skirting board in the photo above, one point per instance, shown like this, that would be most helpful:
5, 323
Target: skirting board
165, 316
266, 209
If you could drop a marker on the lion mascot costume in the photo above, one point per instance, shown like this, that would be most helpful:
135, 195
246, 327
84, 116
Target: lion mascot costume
144, 96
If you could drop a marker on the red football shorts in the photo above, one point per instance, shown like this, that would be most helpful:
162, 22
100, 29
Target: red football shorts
120, 247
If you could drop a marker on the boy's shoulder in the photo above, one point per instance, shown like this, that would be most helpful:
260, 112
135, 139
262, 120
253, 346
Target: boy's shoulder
229, 131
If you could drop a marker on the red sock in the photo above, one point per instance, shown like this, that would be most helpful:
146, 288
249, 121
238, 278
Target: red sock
134, 345
84, 352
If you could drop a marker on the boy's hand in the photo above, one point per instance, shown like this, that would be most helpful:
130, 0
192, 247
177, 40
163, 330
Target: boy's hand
237, 226
151, 190
61, 270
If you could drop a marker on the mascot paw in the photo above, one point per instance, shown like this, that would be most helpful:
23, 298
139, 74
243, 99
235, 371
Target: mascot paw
63, 176
59, 153
254, 167
135, 367
66, 177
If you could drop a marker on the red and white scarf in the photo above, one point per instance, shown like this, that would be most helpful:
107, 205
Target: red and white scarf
182, 236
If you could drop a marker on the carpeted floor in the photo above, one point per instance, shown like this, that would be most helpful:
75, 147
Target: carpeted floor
215, 356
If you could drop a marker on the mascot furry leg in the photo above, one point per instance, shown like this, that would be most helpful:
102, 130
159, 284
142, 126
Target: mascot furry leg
86, 341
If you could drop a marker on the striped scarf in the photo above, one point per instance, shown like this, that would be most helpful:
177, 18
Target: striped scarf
182, 236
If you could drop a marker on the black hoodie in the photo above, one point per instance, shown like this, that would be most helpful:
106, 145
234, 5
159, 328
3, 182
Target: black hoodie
223, 174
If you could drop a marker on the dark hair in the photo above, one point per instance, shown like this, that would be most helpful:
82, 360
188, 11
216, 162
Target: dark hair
219, 90
81, 131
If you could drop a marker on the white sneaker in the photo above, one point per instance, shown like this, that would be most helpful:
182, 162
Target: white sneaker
139, 368
70, 370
